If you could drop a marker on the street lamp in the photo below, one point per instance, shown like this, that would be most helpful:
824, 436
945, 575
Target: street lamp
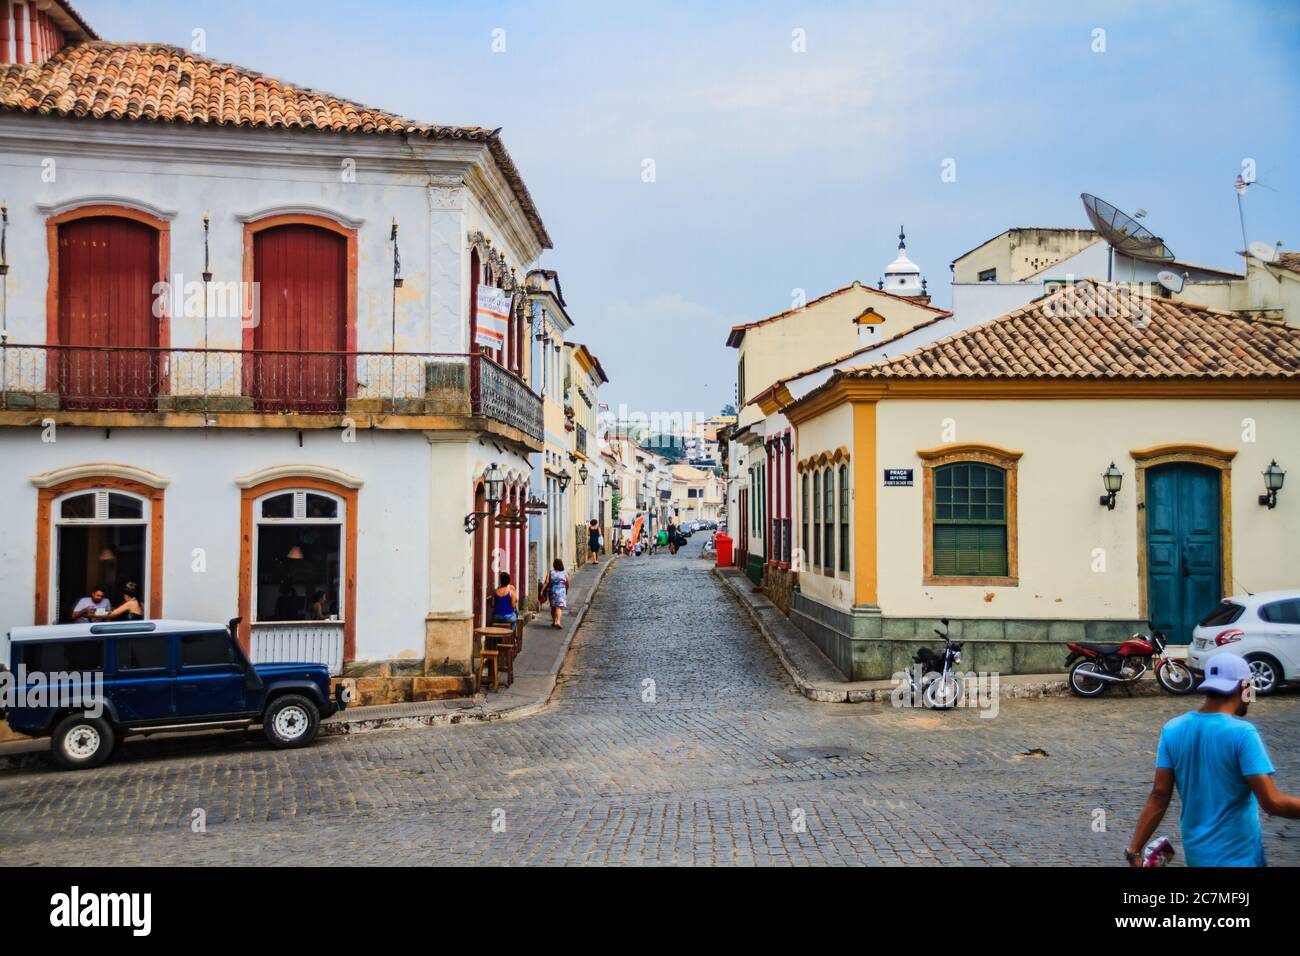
583, 473
1111, 479
1274, 475
563, 479
494, 484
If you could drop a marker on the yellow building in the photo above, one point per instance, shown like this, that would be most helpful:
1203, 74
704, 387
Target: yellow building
828, 329
962, 480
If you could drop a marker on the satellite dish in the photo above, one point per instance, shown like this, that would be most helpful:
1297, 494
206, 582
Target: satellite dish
1262, 251
1170, 280
1124, 233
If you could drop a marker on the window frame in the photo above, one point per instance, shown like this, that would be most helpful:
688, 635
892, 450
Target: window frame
299, 518
829, 521
817, 519
845, 519
1003, 458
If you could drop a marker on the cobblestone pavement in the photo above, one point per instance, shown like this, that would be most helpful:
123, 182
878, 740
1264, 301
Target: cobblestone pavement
723, 764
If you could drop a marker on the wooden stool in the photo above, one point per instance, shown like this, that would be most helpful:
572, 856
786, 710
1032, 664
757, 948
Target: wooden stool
487, 661
507, 651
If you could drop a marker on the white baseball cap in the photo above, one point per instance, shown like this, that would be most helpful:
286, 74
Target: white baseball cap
1225, 672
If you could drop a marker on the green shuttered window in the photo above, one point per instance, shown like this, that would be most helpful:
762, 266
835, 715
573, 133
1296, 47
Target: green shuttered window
970, 520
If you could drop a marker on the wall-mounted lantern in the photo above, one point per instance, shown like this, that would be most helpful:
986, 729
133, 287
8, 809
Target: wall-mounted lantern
563, 479
397, 260
1274, 475
1111, 479
207, 266
583, 473
4, 237
495, 486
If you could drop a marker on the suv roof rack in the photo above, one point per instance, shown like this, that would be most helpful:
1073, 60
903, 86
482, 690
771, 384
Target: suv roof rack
125, 627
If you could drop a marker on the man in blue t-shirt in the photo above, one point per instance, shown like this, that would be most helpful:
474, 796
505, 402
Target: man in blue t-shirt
1222, 772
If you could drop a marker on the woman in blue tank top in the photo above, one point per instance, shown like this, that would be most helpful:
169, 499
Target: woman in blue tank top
505, 602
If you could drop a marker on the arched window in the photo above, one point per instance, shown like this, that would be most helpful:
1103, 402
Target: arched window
970, 520
817, 519
844, 518
101, 541
828, 527
298, 551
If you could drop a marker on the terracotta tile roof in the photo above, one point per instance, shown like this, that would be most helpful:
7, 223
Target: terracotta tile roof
738, 331
1289, 261
776, 386
160, 83
1100, 334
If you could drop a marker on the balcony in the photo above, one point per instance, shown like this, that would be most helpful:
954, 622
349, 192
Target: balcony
235, 384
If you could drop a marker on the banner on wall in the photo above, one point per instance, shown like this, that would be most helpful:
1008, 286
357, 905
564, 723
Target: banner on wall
492, 320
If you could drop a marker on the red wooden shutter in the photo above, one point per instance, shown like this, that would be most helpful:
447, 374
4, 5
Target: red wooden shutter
301, 272
107, 270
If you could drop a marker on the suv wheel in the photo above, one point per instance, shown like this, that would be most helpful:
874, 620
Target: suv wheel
291, 721
80, 742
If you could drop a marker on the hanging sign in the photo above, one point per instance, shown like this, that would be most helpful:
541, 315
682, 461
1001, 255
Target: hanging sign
898, 477
492, 317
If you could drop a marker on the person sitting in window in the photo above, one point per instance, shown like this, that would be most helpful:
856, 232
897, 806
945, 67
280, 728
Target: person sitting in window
130, 609
94, 606
505, 601
318, 610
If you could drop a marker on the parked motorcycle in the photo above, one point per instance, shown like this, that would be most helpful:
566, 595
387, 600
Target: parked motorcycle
941, 687
1095, 667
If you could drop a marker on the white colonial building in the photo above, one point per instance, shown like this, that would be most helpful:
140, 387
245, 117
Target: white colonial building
265, 353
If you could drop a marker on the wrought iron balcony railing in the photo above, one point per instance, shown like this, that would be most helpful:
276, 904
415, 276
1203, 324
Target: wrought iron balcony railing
85, 378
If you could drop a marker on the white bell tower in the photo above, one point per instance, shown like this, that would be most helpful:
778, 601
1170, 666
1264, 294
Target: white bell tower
903, 276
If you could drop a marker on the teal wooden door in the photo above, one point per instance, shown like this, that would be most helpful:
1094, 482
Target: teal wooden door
1183, 547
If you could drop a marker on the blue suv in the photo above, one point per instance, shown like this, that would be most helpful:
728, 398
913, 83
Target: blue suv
88, 685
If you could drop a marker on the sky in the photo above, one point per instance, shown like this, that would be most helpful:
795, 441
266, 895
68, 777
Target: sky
789, 141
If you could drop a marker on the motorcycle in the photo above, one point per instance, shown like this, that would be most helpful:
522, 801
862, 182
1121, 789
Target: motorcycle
941, 687
1095, 667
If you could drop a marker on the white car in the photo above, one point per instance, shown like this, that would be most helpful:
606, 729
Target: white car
1263, 628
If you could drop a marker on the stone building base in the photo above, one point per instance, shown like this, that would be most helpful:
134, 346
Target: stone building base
863, 644
444, 671
779, 584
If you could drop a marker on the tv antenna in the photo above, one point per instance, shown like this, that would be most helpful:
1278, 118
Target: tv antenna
1124, 234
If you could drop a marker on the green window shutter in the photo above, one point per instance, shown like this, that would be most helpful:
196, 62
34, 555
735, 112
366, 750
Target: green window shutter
972, 550
970, 522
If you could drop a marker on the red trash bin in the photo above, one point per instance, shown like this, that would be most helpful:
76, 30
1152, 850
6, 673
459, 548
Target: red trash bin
723, 543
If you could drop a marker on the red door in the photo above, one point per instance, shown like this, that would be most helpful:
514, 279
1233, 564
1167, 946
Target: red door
107, 270
301, 276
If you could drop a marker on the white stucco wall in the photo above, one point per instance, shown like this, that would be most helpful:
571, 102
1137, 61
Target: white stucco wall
1066, 446
395, 582
180, 173
826, 433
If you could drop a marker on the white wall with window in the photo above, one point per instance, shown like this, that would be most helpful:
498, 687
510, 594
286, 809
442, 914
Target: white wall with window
298, 574
100, 540
403, 570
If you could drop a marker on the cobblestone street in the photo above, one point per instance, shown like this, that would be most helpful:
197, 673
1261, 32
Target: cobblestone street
674, 737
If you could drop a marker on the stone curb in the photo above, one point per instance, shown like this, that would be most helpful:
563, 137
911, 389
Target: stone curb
481, 713
1010, 686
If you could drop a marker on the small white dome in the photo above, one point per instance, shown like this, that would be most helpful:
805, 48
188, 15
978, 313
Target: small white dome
903, 276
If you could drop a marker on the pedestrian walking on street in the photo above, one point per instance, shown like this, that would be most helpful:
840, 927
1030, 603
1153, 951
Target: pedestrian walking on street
1223, 774
559, 591
593, 542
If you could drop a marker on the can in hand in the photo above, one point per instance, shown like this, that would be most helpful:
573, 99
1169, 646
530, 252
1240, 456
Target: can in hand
1158, 852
